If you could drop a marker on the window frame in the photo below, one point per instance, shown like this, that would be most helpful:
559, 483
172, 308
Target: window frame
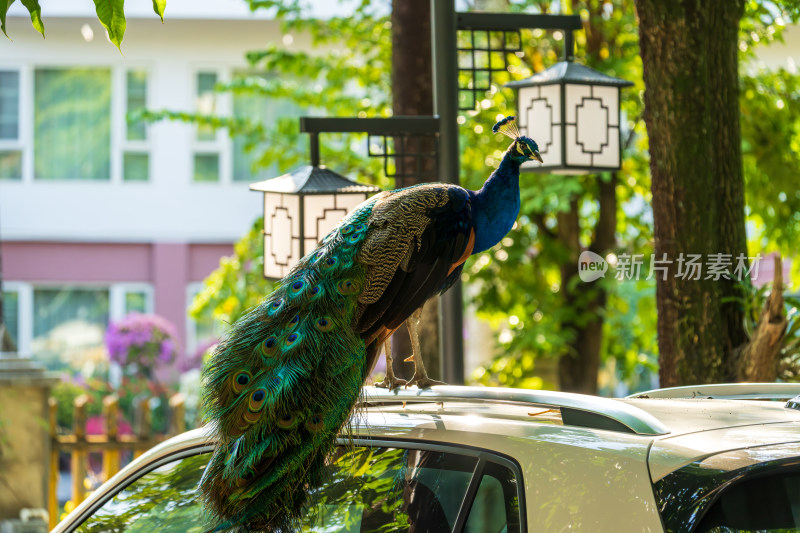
221, 145
484, 456
24, 119
120, 144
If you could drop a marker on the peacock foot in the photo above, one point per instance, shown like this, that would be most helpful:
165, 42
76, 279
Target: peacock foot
423, 382
391, 383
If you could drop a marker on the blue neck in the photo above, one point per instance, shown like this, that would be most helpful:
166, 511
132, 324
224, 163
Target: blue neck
495, 207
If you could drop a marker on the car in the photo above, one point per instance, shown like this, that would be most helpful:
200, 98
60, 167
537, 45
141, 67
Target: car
704, 459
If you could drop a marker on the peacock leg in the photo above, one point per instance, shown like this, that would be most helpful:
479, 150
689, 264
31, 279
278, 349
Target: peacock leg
420, 378
390, 381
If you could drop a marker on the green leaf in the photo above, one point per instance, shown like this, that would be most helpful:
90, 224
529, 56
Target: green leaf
158, 7
36, 14
4, 5
112, 17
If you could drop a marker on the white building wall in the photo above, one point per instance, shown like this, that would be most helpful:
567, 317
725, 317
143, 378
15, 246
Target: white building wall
170, 206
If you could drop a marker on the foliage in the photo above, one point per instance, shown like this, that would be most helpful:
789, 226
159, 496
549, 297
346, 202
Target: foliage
110, 13
141, 342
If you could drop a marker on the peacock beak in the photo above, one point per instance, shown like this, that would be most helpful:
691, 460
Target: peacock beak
537, 157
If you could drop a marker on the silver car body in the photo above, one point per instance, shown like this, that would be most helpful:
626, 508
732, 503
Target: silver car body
587, 463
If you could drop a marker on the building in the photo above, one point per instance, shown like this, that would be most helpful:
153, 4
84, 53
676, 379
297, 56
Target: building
98, 216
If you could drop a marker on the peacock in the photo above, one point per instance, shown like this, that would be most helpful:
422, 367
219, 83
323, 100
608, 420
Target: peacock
281, 385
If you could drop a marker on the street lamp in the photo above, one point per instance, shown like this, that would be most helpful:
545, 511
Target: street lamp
300, 208
573, 113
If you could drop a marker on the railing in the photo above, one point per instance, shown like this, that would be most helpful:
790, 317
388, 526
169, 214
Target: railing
111, 444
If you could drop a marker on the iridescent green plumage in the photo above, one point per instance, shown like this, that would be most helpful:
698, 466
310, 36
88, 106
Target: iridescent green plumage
282, 384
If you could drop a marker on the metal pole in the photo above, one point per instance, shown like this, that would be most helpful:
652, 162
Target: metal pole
445, 105
313, 148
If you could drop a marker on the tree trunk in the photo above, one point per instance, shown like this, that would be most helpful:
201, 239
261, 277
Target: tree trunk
578, 369
689, 56
412, 94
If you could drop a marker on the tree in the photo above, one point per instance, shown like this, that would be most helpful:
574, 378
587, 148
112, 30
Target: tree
690, 58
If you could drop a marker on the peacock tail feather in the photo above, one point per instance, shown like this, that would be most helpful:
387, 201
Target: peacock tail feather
281, 385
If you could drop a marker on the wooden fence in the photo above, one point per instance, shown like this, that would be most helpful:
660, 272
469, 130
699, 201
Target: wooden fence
111, 444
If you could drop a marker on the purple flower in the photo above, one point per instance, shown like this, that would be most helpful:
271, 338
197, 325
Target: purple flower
143, 340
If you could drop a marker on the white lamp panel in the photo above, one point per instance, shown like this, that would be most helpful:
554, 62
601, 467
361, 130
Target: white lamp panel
592, 126
575, 153
574, 95
610, 155
350, 201
315, 205
610, 98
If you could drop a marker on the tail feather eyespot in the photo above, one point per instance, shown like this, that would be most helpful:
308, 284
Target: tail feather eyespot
287, 421
296, 288
293, 322
240, 380
257, 399
275, 306
251, 418
324, 324
315, 423
329, 263
347, 287
269, 346
347, 229
292, 339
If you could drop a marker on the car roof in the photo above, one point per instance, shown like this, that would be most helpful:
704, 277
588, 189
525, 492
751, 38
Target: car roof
656, 418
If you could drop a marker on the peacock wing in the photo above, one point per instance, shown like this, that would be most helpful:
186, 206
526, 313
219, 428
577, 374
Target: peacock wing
417, 238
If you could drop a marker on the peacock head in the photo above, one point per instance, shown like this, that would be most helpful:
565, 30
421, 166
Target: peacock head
524, 148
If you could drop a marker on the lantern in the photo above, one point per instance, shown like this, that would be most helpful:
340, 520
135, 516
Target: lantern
573, 114
300, 208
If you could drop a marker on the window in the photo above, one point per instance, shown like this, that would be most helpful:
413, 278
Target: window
163, 500
68, 326
208, 148
64, 326
763, 504
367, 490
72, 124
10, 148
11, 314
135, 157
254, 106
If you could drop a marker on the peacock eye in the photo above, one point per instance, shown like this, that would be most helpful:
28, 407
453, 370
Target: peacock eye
258, 396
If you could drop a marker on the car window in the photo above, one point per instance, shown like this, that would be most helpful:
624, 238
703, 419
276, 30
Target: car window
390, 490
495, 508
366, 490
162, 500
766, 504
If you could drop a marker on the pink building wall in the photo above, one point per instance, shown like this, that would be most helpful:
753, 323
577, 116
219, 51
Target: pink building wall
169, 267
